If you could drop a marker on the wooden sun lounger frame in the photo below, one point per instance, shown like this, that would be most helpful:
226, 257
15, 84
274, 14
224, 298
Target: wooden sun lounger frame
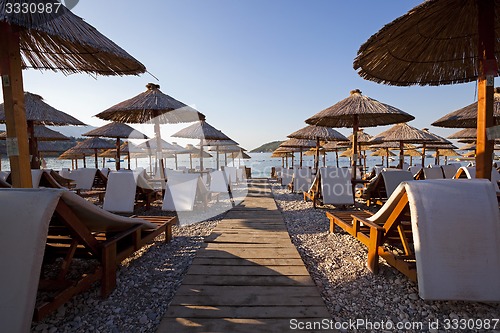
72, 238
314, 192
392, 240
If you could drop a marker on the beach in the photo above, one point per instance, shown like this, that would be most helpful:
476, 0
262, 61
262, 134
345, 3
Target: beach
146, 282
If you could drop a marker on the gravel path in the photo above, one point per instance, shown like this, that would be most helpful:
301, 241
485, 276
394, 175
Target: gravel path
337, 264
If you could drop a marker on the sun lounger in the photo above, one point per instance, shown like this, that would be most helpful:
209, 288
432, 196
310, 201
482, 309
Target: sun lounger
449, 170
301, 180
332, 186
36, 175
231, 175
380, 188
84, 178
77, 229
218, 182
25, 219
415, 170
286, 176
182, 190
445, 234
120, 192
434, 172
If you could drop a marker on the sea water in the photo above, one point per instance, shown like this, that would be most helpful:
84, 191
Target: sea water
260, 163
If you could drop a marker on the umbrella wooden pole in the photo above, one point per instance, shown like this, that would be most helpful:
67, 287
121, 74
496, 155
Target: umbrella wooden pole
33, 146
293, 159
96, 160
300, 163
355, 128
159, 158
324, 159
176, 162
217, 153
423, 155
487, 69
128, 160
401, 154
387, 161
84, 161
15, 113
316, 163
117, 161
337, 157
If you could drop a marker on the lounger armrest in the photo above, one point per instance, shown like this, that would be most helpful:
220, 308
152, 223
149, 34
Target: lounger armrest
366, 222
121, 235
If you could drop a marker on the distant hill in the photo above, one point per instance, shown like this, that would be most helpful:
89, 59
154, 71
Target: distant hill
267, 147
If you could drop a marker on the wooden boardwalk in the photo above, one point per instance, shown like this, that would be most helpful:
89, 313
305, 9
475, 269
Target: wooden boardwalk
248, 276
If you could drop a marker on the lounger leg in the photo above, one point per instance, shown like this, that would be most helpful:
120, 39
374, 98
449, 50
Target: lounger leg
374, 243
108, 261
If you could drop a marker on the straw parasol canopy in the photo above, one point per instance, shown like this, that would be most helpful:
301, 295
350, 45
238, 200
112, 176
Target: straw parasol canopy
40, 113
466, 117
74, 154
300, 144
404, 133
317, 133
42, 133
217, 144
358, 111
203, 131
464, 134
195, 152
95, 144
152, 106
441, 42
116, 130
57, 41
382, 152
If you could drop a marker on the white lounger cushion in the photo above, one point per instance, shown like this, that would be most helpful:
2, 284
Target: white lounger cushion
434, 172
450, 170
180, 192
120, 192
393, 178
336, 187
456, 235
218, 182
302, 179
84, 178
286, 176
25, 218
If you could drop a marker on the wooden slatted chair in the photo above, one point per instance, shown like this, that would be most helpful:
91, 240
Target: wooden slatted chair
430, 231
79, 229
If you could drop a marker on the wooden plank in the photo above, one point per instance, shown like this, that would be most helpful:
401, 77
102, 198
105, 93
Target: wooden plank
248, 299
233, 325
219, 280
295, 291
247, 262
249, 270
248, 253
285, 312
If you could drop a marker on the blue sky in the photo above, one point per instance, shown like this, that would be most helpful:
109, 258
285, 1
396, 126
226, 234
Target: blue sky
256, 68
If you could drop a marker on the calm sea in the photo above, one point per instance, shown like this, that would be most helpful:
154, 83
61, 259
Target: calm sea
260, 163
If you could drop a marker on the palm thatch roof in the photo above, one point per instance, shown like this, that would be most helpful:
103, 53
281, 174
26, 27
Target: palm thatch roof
63, 41
152, 144
240, 154
412, 152
49, 147
214, 143
298, 143
470, 146
346, 153
331, 146
195, 152
42, 133
116, 130
41, 113
201, 130
446, 152
312, 132
392, 145
404, 133
312, 152
75, 152
434, 43
466, 133
227, 149
369, 112
466, 117
95, 143
150, 106
383, 152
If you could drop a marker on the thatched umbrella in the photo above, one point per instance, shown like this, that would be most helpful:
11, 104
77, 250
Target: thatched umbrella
74, 154
362, 138
464, 135
358, 111
446, 152
57, 41
124, 148
383, 153
318, 133
155, 145
404, 133
441, 42
195, 152
117, 131
39, 113
284, 153
335, 147
300, 144
217, 144
152, 106
203, 131
409, 149
95, 144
